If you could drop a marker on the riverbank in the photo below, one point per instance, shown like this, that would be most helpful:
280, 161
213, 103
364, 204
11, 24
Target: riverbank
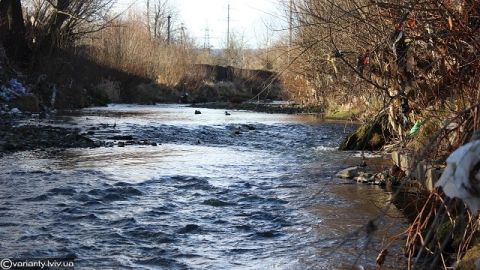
265, 107
441, 217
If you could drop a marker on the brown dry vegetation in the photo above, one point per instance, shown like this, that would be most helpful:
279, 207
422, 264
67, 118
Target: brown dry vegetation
129, 47
93, 56
413, 60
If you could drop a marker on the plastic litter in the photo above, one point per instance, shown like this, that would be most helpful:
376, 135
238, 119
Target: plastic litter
17, 87
15, 111
415, 128
54, 97
457, 181
11, 90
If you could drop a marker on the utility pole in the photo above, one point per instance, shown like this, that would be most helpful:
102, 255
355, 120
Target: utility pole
169, 18
228, 26
206, 39
184, 36
148, 19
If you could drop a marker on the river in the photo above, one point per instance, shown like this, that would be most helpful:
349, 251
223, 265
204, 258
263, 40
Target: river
240, 191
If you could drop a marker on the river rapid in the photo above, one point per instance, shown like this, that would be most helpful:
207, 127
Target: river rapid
241, 191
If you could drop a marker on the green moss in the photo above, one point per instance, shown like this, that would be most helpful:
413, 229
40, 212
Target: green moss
469, 259
368, 136
443, 230
339, 114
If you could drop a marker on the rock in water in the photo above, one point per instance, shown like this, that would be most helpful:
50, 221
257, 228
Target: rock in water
461, 178
121, 138
349, 172
364, 177
198, 112
369, 136
249, 127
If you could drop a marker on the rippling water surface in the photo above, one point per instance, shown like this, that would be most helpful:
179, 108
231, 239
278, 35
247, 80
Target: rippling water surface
246, 191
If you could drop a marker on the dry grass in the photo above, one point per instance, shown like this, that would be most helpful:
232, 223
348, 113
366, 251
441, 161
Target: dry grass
130, 48
441, 234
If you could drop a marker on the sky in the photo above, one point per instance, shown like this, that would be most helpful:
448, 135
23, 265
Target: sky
254, 20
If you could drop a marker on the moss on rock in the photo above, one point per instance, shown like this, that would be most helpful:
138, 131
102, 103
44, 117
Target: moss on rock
469, 260
369, 136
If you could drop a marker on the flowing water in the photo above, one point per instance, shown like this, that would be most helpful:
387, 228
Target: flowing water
245, 191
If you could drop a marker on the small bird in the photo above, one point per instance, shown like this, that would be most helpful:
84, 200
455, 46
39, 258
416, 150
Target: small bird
227, 113
198, 112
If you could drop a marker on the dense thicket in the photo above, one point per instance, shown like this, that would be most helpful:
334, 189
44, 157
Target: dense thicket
413, 60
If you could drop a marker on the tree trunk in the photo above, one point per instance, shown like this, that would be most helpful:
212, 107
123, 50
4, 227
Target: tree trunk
12, 30
54, 34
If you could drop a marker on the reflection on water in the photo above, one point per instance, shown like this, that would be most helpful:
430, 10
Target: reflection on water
256, 196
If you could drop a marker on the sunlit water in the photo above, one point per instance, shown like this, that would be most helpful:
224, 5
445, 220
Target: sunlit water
206, 198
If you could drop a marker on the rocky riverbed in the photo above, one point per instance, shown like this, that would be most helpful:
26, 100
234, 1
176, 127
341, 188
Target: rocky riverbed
16, 136
26, 132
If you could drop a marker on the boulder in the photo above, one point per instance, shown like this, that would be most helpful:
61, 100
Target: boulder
431, 177
471, 259
249, 127
403, 161
28, 103
350, 173
369, 136
121, 138
380, 178
364, 177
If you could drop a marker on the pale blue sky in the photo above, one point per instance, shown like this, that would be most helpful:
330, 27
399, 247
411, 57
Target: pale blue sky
248, 18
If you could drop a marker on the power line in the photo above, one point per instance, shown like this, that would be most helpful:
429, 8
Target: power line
168, 28
206, 38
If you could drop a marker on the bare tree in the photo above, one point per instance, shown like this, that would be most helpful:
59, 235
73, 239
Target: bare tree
12, 29
235, 52
61, 22
158, 14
